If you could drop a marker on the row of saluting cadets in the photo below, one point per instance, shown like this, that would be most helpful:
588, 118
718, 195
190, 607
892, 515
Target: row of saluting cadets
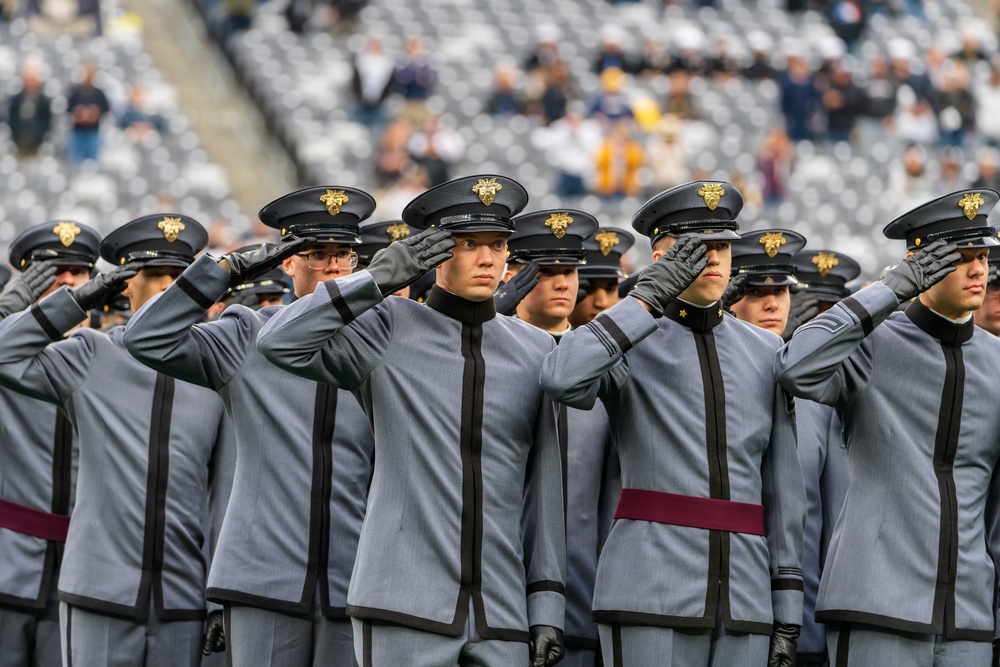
410, 466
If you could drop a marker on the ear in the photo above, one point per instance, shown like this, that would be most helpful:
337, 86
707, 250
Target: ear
909, 254
507, 275
286, 265
657, 254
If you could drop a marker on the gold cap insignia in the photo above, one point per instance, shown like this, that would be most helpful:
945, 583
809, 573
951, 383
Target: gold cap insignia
333, 200
825, 261
970, 204
558, 222
916, 241
487, 189
608, 241
768, 280
171, 227
772, 241
711, 193
397, 232
67, 232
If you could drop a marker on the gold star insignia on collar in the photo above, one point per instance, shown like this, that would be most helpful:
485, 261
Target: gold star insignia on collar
683, 313
720, 312
333, 200
67, 232
487, 189
558, 222
171, 228
712, 194
970, 204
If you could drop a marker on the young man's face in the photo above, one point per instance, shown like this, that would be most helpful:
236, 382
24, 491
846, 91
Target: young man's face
474, 270
68, 276
709, 286
765, 307
149, 282
988, 315
962, 290
549, 305
306, 271
602, 295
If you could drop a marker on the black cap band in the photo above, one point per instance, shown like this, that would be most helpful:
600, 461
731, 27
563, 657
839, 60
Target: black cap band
149, 256
65, 256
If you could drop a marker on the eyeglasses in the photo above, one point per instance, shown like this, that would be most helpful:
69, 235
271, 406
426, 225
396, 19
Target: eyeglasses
319, 260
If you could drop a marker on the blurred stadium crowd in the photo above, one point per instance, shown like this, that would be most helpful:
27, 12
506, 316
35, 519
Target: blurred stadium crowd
830, 117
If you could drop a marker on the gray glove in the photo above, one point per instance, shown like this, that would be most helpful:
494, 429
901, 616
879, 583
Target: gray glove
545, 645
103, 286
783, 641
25, 289
805, 306
215, 634
661, 282
246, 266
400, 263
510, 293
921, 270
735, 290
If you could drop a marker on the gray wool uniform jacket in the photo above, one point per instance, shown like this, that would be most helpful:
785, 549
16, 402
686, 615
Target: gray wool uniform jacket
466, 496
824, 469
918, 398
147, 444
696, 412
304, 451
38, 464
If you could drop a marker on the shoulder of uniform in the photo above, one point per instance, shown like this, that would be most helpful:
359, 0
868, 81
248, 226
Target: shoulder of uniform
526, 332
763, 337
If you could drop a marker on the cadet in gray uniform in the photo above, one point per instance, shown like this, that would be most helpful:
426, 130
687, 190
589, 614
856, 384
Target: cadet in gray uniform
703, 561
600, 276
39, 454
290, 535
462, 556
553, 241
268, 289
132, 586
910, 575
988, 315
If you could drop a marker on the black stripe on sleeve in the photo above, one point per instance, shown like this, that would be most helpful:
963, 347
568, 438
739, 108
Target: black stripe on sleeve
859, 311
338, 301
186, 286
542, 586
786, 584
46, 324
624, 344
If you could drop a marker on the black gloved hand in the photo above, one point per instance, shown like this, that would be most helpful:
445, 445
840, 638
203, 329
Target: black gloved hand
25, 289
661, 282
735, 290
921, 270
805, 306
103, 286
783, 641
996, 653
215, 634
510, 293
545, 646
400, 263
251, 264
583, 289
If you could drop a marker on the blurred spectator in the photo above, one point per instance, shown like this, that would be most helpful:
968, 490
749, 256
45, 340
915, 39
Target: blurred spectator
988, 164
900, 52
29, 113
680, 102
760, 49
393, 152
546, 54
774, 161
916, 121
753, 198
231, 16
799, 98
611, 102
956, 106
372, 81
847, 18
79, 18
569, 144
951, 179
505, 100
723, 65
414, 77
413, 181
668, 161
909, 183
137, 121
690, 57
971, 51
654, 59
935, 64
87, 104
842, 101
879, 103
557, 92
435, 147
612, 54
617, 161
987, 97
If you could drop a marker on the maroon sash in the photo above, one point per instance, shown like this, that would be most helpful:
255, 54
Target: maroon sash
33, 522
707, 513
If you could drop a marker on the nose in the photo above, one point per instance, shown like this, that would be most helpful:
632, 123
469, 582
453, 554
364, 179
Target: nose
560, 282
66, 277
600, 298
770, 303
978, 268
713, 256
484, 256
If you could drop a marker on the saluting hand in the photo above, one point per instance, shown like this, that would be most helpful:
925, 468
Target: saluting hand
805, 306
25, 289
661, 282
735, 290
251, 264
921, 270
512, 292
98, 289
400, 263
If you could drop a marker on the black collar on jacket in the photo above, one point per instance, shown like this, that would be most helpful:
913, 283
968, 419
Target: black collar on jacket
697, 319
468, 312
949, 333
